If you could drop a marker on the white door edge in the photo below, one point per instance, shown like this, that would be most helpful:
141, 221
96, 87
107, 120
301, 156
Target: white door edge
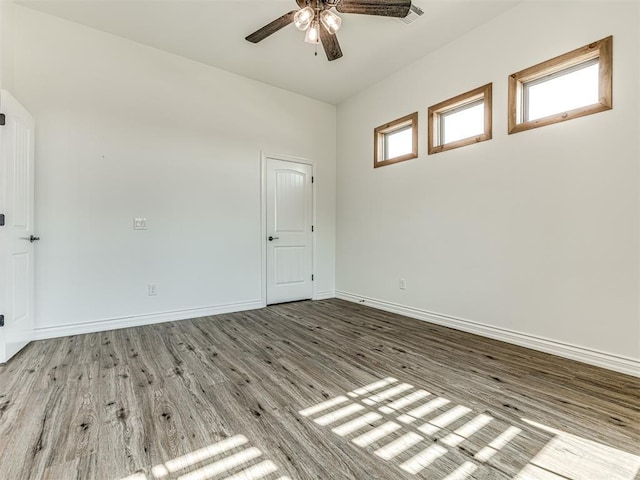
263, 216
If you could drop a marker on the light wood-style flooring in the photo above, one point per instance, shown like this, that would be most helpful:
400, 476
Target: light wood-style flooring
310, 390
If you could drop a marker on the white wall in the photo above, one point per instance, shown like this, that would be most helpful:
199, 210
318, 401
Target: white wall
7, 32
536, 233
126, 131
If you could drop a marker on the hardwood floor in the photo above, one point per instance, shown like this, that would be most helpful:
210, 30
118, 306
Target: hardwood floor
310, 390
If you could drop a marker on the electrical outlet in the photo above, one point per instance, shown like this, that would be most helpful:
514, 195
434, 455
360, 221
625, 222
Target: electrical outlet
139, 223
402, 284
153, 289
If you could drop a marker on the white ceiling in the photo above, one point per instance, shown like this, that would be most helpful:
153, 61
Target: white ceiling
213, 31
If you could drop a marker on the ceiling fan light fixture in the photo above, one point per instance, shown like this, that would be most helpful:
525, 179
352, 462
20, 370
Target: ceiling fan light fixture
313, 33
303, 18
331, 21
321, 23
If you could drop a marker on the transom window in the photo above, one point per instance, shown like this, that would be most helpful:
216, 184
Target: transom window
396, 141
461, 120
572, 85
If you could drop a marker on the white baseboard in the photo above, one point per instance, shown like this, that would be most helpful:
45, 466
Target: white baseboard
609, 361
138, 320
324, 295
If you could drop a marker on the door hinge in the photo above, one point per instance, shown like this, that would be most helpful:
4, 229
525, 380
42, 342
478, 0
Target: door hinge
312, 277
312, 179
1, 219
312, 228
3, 119
1, 320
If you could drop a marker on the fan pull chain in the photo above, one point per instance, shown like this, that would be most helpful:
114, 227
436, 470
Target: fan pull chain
317, 18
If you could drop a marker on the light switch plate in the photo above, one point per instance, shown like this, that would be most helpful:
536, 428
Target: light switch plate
139, 223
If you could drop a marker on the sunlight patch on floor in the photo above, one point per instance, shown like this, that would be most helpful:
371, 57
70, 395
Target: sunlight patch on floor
198, 456
422, 460
356, 424
404, 401
376, 434
497, 444
399, 445
229, 459
223, 465
392, 440
323, 406
577, 458
392, 392
338, 414
443, 420
253, 473
423, 410
372, 387
558, 455
464, 471
465, 431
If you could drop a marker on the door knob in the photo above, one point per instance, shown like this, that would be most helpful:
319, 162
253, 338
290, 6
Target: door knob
271, 239
33, 239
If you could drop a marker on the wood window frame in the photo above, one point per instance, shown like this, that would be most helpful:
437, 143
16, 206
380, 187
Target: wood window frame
484, 93
379, 137
601, 50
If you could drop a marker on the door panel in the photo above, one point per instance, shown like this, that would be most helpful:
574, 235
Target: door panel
20, 167
17, 203
289, 265
289, 223
290, 202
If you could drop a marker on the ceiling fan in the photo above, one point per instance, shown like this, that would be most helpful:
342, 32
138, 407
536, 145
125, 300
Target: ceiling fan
321, 23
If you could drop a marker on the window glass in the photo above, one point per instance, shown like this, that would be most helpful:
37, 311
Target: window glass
398, 142
570, 89
464, 122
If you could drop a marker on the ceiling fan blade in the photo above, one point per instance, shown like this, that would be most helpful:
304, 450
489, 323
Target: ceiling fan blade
385, 8
330, 44
272, 27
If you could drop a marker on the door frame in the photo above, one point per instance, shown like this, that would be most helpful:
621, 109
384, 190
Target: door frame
263, 217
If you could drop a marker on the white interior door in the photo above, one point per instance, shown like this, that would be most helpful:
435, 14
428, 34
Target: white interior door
16, 241
289, 231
